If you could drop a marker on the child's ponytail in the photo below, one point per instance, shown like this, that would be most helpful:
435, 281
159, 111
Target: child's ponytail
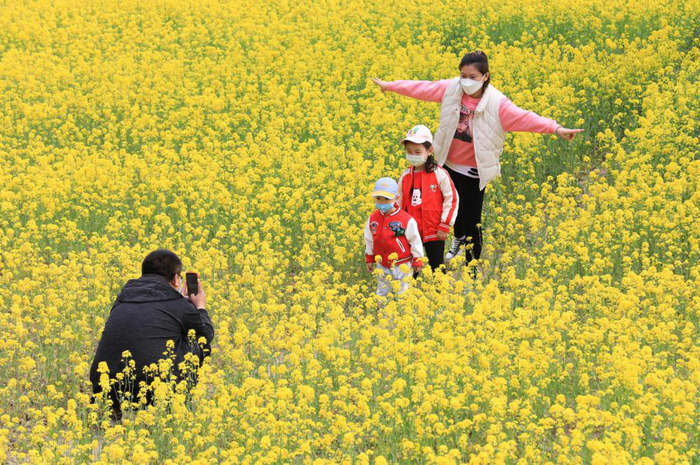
430, 164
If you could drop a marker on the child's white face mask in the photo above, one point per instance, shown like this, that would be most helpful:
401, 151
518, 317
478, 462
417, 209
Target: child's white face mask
470, 86
416, 160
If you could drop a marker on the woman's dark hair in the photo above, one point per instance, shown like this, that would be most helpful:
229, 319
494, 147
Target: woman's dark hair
162, 262
478, 59
430, 163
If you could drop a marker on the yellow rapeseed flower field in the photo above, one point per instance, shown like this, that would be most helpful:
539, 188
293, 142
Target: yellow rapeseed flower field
246, 137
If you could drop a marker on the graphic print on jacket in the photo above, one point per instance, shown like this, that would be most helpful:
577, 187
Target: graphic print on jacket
397, 228
416, 192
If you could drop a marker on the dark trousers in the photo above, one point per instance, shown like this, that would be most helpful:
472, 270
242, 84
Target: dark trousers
435, 251
471, 201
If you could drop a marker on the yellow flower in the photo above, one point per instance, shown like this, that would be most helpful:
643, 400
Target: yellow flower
243, 137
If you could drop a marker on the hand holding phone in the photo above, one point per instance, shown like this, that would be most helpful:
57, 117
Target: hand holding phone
192, 280
194, 290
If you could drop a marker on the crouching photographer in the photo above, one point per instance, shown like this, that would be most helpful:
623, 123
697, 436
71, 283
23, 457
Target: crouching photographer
148, 314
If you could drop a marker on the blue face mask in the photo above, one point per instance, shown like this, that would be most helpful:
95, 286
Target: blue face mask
384, 207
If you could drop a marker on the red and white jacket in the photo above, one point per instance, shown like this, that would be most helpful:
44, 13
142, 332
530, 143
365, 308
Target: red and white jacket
395, 232
436, 209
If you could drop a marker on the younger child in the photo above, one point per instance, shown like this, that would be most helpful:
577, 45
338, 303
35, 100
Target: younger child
391, 239
427, 193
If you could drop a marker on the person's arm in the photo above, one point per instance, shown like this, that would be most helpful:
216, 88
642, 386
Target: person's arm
516, 119
369, 248
413, 238
519, 120
199, 320
450, 202
429, 91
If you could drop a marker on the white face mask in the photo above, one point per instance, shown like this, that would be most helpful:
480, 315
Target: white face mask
416, 160
470, 86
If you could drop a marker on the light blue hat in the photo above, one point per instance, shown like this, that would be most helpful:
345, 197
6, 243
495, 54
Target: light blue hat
385, 187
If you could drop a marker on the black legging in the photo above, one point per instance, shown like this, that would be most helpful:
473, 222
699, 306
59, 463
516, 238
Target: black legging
435, 251
471, 201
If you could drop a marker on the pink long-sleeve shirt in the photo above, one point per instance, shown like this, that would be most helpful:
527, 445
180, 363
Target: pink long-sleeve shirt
461, 157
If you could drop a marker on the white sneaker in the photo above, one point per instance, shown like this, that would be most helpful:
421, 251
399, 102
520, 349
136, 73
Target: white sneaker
456, 249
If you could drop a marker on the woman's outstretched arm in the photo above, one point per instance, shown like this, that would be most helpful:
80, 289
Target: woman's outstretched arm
429, 91
515, 119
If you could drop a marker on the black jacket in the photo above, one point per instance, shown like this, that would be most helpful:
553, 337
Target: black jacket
147, 313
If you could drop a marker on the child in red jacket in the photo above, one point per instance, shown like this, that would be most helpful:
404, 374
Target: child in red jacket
427, 193
391, 239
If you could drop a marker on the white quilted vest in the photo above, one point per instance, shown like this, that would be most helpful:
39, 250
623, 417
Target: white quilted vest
488, 134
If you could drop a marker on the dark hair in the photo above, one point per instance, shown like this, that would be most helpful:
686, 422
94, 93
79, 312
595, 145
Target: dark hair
430, 163
478, 59
162, 262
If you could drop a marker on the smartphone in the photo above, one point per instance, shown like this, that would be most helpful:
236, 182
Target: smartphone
192, 280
